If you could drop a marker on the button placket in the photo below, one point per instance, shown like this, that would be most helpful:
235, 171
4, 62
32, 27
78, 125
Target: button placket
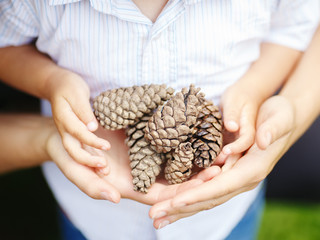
172, 55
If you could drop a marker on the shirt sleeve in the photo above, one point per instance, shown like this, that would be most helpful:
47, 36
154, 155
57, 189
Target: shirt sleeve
294, 23
19, 23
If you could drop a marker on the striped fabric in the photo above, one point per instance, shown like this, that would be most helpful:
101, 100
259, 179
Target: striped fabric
110, 43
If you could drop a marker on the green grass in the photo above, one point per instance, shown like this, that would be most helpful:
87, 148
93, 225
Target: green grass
289, 220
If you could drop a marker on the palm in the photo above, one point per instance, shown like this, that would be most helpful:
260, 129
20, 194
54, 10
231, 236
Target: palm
120, 173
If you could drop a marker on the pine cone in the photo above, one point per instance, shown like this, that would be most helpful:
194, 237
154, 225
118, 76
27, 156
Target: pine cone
118, 108
171, 124
179, 163
145, 161
207, 135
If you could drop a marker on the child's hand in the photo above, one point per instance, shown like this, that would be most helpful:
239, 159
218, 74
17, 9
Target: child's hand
74, 118
239, 109
241, 101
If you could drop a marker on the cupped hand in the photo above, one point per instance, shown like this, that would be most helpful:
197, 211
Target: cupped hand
120, 173
239, 174
117, 183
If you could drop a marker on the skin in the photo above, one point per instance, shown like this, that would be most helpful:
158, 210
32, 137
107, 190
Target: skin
150, 8
281, 120
72, 114
73, 117
68, 93
30, 140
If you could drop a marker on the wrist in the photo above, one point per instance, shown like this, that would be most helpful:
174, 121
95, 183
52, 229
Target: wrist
45, 133
58, 79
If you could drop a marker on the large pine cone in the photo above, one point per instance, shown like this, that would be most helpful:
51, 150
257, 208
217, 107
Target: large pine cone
171, 124
145, 161
207, 135
118, 108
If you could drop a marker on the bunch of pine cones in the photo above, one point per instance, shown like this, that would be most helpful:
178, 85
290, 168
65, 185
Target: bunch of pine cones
180, 130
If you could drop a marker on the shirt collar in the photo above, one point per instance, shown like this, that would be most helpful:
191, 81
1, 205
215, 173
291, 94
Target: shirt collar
61, 2
104, 6
103, 3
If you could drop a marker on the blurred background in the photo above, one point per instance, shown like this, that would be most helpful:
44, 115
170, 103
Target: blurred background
28, 209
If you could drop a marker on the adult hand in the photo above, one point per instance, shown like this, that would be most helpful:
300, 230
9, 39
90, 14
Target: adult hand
239, 174
118, 183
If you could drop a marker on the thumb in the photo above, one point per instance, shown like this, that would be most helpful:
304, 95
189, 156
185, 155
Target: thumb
275, 119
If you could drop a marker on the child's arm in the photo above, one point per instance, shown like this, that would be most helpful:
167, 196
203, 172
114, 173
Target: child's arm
27, 69
286, 117
241, 101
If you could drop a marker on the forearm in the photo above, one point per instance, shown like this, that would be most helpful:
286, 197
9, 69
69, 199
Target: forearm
303, 88
23, 140
270, 71
27, 69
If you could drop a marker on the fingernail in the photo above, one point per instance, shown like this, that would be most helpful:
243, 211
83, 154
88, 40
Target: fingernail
179, 205
92, 126
233, 125
163, 224
106, 196
104, 148
159, 214
101, 164
268, 138
227, 150
105, 170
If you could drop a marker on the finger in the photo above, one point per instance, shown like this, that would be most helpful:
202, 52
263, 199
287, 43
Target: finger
207, 173
219, 186
220, 159
161, 192
274, 123
103, 171
92, 185
230, 162
84, 112
166, 220
67, 121
83, 177
74, 148
246, 132
231, 110
174, 214
80, 104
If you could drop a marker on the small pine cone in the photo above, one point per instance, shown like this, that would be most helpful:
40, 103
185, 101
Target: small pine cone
171, 124
118, 108
207, 135
144, 160
179, 163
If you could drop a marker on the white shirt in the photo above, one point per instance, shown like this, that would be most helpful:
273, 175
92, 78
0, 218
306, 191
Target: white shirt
110, 43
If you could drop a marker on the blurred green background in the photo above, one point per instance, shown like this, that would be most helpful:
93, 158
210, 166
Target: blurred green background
28, 209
